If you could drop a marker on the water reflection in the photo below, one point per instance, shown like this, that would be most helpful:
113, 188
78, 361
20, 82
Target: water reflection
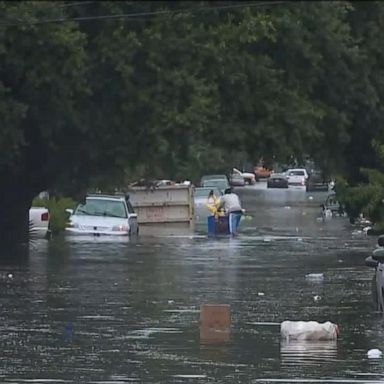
103, 310
307, 352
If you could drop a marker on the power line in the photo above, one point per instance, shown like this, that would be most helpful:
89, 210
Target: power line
143, 14
73, 4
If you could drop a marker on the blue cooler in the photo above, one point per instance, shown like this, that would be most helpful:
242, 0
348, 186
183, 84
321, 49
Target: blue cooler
219, 226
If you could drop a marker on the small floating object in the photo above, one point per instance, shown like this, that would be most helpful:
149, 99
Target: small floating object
171, 301
287, 207
316, 298
10, 276
260, 294
310, 198
315, 276
309, 330
374, 353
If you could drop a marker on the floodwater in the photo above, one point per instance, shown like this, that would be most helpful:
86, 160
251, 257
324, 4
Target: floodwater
99, 311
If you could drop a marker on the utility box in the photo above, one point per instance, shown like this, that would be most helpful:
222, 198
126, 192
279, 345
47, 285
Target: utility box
170, 205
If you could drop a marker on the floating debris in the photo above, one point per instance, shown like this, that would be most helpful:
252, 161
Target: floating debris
315, 276
374, 354
309, 330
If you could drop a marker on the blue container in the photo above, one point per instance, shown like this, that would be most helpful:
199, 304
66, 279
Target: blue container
219, 226
211, 225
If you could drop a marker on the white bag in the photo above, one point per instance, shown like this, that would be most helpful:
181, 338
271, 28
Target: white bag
309, 330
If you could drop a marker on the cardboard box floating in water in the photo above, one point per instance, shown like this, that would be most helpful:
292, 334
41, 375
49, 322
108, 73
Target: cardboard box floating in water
215, 322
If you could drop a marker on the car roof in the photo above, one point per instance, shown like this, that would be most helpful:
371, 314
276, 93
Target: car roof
105, 197
276, 175
296, 169
214, 181
206, 177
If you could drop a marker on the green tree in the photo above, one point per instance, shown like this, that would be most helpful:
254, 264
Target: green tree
42, 83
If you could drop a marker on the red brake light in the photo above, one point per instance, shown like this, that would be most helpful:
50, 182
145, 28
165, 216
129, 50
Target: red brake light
45, 216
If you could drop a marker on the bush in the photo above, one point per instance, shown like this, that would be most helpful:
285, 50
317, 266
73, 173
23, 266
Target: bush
56, 207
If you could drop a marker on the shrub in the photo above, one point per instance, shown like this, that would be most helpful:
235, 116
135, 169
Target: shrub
56, 207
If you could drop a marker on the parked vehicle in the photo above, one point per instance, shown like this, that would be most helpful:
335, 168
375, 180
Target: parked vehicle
316, 182
236, 180
297, 176
213, 177
39, 222
220, 184
103, 215
200, 200
249, 178
277, 180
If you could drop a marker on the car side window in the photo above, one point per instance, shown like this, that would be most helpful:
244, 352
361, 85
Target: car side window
130, 207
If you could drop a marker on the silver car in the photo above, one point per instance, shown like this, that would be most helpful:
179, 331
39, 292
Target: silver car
103, 215
205, 178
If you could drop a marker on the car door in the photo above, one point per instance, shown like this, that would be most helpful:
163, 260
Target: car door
132, 219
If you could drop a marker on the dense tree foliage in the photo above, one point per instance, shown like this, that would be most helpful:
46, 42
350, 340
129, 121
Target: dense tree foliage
104, 92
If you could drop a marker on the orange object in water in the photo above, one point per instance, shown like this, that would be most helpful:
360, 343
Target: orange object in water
215, 322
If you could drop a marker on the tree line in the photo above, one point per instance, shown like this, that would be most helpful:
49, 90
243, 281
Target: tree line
102, 92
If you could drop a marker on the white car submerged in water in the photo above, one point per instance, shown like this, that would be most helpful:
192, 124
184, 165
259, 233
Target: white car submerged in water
39, 222
103, 215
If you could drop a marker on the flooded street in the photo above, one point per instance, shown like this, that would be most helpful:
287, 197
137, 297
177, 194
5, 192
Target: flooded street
102, 311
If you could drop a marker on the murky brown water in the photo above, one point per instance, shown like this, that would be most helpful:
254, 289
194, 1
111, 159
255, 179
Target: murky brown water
96, 311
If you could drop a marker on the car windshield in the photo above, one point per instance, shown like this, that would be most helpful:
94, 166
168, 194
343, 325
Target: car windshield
296, 173
100, 207
203, 192
221, 184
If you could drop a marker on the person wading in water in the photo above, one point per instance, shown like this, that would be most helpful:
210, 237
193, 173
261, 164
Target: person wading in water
232, 207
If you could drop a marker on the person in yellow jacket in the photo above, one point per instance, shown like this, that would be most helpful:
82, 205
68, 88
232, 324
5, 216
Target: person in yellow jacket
213, 203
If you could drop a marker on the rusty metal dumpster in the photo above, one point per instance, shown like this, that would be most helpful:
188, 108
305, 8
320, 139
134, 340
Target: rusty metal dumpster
171, 206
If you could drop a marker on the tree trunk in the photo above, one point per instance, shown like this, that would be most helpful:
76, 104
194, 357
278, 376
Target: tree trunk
14, 218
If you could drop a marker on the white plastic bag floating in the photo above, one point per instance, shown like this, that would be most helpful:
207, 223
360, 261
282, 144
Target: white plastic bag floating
309, 330
374, 354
